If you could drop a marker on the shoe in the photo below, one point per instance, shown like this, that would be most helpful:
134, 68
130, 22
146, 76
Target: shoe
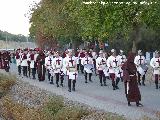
86, 82
101, 84
105, 84
90, 80
139, 105
139, 83
61, 85
114, 88
69, 90
51, 83
129, 104
143, 84
117, 87
57, 85
73, 89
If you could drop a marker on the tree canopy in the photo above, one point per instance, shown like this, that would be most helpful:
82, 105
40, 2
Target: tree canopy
64, 21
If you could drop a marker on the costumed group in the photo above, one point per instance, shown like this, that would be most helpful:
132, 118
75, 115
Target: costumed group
106, 65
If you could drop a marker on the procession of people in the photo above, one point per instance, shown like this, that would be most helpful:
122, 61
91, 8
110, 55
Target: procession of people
60, 65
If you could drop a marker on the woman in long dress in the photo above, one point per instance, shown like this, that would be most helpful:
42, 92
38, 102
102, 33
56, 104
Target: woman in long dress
130, 81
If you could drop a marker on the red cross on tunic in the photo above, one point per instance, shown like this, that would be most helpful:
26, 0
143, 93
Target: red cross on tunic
122, 59
120, 73
158, 61
87, 60
115, 61
50, 60
103, 62
75, 74
140, 60
71, 61
58, 61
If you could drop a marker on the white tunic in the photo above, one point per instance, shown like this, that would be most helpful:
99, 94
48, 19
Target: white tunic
87, 62
18, 61
24, 62
139, 61
70, 63
113, 64
48, 62
155, 64
57, 64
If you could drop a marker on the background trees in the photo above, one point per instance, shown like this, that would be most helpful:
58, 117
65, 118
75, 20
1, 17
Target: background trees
123, 25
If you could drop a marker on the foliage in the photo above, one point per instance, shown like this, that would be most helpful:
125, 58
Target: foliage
102, 21
16, 38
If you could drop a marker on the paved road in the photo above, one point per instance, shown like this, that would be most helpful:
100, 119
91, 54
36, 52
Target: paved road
105, 98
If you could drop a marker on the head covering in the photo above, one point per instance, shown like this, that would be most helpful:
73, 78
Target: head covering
139, 51
101, 51
113, 50
131, 57
121, 51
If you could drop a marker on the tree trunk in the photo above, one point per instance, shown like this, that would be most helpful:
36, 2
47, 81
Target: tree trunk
136, 36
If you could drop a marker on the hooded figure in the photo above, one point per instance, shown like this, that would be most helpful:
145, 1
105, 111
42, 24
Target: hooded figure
130, 81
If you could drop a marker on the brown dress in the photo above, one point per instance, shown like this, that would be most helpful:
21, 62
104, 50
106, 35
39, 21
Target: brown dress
130, 80
41, 67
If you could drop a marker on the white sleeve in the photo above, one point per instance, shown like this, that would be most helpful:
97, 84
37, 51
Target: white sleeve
152, 63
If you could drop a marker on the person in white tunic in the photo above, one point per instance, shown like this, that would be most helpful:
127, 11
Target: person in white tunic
155, 64
57, 66
122, 59
141, 65
87, 62
48, 65
24, 63
100, 66
113, 66
18, 58
71, 66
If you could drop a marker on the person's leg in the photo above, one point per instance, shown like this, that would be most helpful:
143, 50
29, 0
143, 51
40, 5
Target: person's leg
69, 85
90, 77
74, 84
100, 77
139, 78
112, 76
117, 81
57, 79
85, 75
156, 80
143, 80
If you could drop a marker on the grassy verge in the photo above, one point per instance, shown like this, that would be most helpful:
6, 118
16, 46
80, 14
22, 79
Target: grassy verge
53, 109
6, 82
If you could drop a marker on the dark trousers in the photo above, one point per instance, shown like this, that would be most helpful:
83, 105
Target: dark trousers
29, 71
25, 71
59, 76
49, 75
33, 72
69, 84
112, 76
102, 77
90, 75
94, 62
19, 69
156, 80
139, 79
82, 68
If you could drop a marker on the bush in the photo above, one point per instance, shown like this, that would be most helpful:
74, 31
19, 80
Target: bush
70, 113
53, 105
6, 82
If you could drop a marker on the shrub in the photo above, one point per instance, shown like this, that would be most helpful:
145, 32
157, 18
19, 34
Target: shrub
6, 81
70, 113
53, 105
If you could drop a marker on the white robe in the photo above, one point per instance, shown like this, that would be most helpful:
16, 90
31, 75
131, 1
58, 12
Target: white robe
155, 65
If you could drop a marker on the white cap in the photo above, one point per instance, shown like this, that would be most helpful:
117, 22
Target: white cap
101, 51
70, 50
113, 50
139, 51
121, 51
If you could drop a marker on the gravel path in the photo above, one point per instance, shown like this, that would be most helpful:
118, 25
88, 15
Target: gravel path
104, 98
